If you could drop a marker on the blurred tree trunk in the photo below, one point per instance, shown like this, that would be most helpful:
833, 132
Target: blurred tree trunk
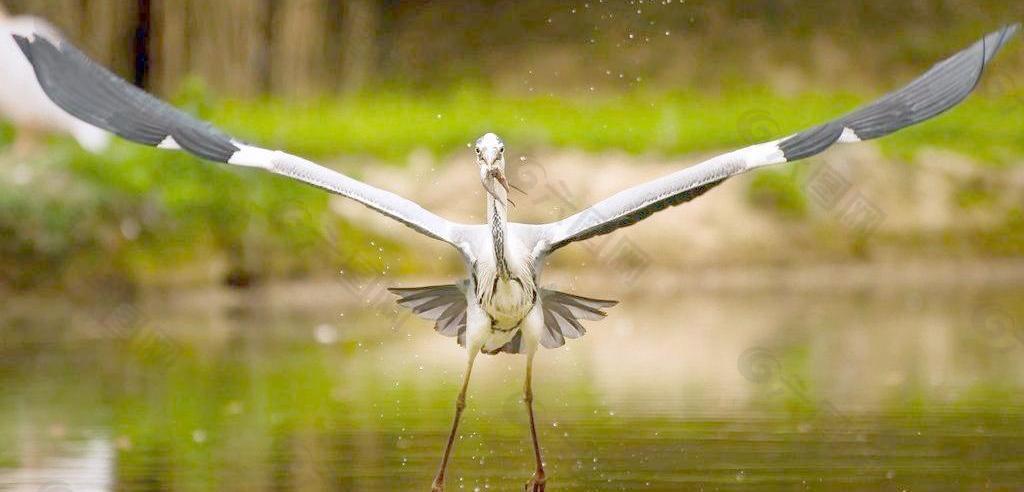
65, 14
228, 44
102, 28
108, 33
299, 36
360, 20
169, 45
301, 48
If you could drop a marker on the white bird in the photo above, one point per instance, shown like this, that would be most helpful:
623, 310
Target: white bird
23, 102
499, 307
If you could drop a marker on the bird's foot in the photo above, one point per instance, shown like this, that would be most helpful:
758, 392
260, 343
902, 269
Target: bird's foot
537, 483
438, 485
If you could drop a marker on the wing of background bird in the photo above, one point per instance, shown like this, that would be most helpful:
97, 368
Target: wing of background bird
940, 88
95, 95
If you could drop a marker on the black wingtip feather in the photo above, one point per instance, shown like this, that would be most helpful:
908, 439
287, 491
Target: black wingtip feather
811, 142
941, 88
22, 42
93, 94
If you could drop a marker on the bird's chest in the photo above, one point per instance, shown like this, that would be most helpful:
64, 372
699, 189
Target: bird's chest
506, 301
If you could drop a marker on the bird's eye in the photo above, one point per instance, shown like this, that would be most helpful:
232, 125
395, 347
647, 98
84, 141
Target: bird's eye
478, 151
502, 149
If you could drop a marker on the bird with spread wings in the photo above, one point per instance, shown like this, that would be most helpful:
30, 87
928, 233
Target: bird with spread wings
498, 307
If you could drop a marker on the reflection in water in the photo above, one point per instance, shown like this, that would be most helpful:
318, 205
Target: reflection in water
745, 391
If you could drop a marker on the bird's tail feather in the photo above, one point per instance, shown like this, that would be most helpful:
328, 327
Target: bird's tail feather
445, 305
563, 312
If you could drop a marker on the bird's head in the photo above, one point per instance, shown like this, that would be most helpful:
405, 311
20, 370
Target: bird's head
490, 157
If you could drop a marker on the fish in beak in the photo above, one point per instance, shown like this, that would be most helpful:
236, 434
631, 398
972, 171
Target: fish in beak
500, 178
496, 175
491, 174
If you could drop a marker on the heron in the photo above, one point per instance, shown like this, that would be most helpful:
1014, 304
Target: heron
23, 102
499, 306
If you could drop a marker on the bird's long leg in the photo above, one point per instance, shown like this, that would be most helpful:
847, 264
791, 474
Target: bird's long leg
460, 405
537, 483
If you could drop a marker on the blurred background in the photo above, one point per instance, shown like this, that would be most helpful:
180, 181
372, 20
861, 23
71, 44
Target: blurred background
854, 321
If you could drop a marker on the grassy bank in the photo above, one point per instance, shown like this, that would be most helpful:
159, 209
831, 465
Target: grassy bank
390, 125
140, 213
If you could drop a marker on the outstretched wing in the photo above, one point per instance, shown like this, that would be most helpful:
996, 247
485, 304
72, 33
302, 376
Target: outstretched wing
940, 88
95, 95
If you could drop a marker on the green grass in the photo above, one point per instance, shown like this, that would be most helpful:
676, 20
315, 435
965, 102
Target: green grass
391, 125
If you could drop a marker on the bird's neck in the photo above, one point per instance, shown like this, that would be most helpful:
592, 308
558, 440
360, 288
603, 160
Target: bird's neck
497, 219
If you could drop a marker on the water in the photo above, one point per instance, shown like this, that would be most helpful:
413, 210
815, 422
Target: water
861, 389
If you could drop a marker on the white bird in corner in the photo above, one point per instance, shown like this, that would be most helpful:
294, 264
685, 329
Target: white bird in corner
499, 306
23, 102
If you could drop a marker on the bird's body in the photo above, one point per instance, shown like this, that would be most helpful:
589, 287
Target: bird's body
499, 307
504, 280
505, 294
22, 100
